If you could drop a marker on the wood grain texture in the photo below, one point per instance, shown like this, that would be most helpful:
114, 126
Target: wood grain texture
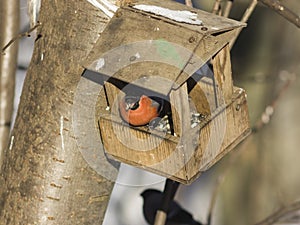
44, 178
171, 51
180, 110
177, 49
184, 157
223, 73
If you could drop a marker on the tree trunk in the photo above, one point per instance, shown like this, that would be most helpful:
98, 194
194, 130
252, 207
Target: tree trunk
9, 26
44, 177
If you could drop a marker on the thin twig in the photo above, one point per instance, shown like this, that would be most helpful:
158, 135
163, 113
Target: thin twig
189, 3
278, 7
269, 110
249, 11
228, 8
275, 217
25, 34
244, 19
217, 7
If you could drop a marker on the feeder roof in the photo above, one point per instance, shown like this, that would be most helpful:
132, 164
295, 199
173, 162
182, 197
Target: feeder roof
194, 19
158, 44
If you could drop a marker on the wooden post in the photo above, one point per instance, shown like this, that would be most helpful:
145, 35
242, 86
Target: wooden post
180, 109
223, 74
113, 95
160, 218
168, 196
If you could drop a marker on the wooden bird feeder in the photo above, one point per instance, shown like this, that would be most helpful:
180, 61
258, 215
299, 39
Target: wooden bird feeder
162, 48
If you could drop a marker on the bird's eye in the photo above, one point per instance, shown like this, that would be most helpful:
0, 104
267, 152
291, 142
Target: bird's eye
135, 106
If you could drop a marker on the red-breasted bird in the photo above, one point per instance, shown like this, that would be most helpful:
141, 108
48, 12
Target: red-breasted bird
176, 214
139, 110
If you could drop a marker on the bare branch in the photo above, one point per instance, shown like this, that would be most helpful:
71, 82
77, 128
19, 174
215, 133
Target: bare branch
265, 118
189, 3
249, 11
25, 34
275, 217
244, 19
227, 8
278, 7
217, 7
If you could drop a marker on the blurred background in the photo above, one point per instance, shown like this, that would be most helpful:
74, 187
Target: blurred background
263, 173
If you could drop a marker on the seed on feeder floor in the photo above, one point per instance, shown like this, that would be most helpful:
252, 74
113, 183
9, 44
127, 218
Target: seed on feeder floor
196, 119
160, 124
194, 125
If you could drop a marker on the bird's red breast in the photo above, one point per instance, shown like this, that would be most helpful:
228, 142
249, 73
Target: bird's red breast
138, 113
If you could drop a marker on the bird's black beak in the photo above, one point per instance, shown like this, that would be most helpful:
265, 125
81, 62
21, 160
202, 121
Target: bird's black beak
131, 102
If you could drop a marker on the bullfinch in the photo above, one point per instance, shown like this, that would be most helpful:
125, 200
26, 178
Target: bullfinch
139, 110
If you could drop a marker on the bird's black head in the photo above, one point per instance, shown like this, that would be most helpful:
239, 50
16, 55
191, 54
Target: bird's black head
149, 192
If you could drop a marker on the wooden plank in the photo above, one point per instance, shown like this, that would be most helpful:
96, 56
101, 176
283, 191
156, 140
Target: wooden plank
206, 49
202, 96
181, 114
180, 110
223, 73
237, 128
140, 148
151, 76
